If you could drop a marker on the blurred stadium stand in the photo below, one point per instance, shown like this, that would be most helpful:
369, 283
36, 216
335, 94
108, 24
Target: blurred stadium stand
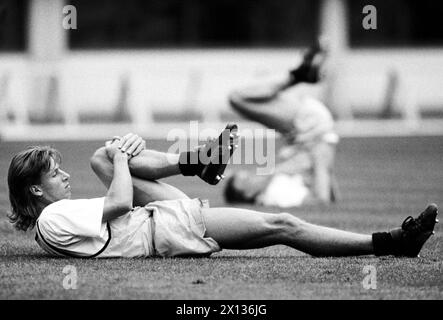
154, 65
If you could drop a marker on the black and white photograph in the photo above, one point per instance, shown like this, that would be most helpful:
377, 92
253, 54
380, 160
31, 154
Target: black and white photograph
221, 155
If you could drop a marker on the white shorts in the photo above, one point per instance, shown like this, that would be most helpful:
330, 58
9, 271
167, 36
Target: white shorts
179, 228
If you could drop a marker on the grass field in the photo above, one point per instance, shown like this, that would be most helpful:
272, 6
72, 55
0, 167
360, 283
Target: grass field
382, 181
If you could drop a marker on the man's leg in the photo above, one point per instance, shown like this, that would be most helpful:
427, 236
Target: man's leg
154, 165
150, 165
208, 161
263, 105
246, 229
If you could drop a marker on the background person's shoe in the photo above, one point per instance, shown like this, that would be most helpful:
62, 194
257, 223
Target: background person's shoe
309, 70
410, 238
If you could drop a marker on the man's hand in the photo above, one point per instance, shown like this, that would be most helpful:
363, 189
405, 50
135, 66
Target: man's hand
132, 144
112, 148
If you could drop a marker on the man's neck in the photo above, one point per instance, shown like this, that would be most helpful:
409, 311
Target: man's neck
40, 206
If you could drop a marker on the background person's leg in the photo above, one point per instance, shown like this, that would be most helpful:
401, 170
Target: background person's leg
276, 113
236, 228
323, 155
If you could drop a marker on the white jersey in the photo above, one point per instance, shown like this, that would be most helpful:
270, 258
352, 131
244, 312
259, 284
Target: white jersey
76, 226
284, 191
312, 121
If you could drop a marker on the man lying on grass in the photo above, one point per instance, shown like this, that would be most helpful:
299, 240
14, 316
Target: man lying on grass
140, 216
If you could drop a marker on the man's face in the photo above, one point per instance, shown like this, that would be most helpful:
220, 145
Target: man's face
55, 184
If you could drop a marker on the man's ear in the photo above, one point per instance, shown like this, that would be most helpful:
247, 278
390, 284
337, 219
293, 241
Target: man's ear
36, 190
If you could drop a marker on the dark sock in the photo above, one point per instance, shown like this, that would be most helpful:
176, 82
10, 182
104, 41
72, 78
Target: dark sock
295, 77
189, 164
383, 243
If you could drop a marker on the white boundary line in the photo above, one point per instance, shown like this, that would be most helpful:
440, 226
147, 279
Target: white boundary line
345, 128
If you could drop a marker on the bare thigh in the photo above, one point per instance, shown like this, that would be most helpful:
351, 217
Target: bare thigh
146, 191
234, 228
275, 114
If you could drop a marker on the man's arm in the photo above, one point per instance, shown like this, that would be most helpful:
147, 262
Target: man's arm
116, 176
102, 166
